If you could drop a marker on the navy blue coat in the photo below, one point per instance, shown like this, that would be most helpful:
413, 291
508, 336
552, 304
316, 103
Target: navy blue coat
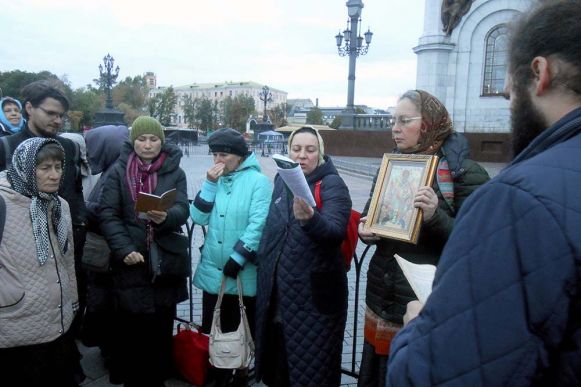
506, 306
311, 284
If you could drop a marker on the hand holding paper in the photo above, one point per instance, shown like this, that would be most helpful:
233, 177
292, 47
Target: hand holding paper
294, 178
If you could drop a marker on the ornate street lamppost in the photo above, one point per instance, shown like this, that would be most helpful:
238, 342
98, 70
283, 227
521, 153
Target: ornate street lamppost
265, 96
353, 48
108, 78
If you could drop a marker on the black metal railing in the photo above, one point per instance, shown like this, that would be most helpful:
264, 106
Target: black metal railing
358, 264
373, 121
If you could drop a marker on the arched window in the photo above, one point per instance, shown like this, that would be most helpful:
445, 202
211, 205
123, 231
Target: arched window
495, 61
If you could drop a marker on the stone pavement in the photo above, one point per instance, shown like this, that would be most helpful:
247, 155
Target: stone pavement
358, 179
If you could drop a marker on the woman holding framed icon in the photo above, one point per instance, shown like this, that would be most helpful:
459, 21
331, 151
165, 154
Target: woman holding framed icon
422, 127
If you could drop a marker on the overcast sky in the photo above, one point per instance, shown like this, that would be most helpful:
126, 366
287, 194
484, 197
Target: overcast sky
286, 44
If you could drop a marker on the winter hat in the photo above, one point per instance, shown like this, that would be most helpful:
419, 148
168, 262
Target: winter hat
146, 125
228, 140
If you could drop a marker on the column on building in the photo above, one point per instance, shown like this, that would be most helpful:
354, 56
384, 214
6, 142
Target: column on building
433, 51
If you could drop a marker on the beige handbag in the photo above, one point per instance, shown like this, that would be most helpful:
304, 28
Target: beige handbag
232, 350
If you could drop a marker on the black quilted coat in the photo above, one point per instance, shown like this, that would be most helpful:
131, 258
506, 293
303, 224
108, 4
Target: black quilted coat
311, 284
134, 292
388, 292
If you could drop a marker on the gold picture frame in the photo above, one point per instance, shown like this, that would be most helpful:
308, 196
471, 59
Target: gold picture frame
392, 213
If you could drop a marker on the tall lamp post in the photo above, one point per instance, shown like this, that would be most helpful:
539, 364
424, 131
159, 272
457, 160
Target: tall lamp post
265, 96
353, 47
108, 78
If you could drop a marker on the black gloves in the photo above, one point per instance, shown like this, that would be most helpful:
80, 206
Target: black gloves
231, 268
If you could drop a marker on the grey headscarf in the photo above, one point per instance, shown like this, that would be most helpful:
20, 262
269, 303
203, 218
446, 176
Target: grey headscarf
22, 177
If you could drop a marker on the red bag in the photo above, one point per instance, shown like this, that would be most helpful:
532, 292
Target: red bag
351, 236
191, 356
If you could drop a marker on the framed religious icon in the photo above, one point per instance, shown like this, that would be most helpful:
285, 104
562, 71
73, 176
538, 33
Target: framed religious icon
392, 213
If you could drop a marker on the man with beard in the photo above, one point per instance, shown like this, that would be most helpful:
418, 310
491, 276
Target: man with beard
44, 108
506, 302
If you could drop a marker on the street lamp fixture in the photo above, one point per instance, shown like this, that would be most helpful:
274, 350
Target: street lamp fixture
265, 96
356, 48
352, 48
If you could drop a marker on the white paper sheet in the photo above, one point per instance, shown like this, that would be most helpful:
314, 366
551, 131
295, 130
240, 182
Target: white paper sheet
295, 180
420, 277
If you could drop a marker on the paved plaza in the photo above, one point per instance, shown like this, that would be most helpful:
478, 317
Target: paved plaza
357, 174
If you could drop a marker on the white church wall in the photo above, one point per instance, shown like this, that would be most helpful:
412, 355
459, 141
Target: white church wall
452, 68
472, 111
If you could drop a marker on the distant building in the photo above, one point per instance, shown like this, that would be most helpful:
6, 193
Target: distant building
300, 103
150, 79
298, 115
329, 113
217, 92
464, 64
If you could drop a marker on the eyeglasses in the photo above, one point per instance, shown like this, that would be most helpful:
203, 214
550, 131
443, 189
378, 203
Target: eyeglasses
404, 121
52, 114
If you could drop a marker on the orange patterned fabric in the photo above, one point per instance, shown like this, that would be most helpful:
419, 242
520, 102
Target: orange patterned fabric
379, 332
436, 124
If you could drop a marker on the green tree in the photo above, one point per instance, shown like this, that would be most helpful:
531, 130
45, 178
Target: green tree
129, 112
204, 115
162, 105
13, 81
336, 122
237, 110
75, 119
152, 103
132, 91
87, 102
189, 108
315, 116
278, 115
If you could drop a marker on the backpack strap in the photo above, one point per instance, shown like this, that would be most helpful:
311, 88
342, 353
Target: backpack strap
2, 216
7, 153
318, 194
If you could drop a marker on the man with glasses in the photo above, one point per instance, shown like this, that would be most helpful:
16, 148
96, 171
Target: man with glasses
44, 108
506, 303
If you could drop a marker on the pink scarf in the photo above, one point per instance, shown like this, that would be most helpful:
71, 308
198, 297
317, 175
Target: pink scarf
142, 177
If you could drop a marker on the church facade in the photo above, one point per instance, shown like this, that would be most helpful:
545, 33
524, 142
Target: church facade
462, 60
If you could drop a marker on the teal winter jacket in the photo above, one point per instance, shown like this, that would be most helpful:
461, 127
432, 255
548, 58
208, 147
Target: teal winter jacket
235, 210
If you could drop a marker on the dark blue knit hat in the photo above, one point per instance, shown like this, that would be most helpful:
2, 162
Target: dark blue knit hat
228, 140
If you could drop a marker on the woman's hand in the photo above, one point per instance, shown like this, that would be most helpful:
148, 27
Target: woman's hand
215, 172
426, 200
302, 210
133, 258
412, 310
157, 217
366, 236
